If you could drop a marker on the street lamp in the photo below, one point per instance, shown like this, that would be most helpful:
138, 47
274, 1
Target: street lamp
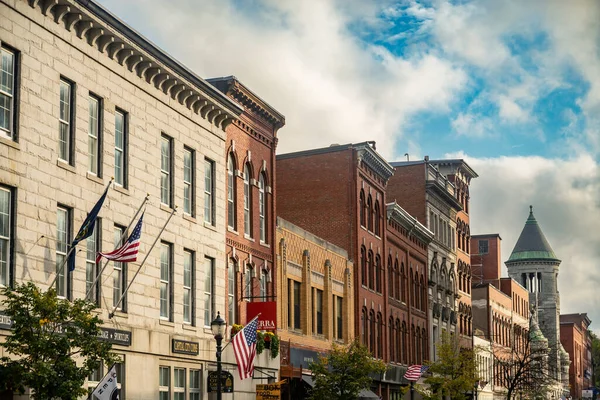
218, 327
475, 388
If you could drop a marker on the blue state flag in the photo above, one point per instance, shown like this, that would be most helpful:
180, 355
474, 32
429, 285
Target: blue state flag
87, 228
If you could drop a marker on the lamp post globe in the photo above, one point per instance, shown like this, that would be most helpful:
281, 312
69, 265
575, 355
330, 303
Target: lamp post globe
218, 327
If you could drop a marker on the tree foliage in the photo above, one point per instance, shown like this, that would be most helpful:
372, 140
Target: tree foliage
344, 372
454, 373
596, 358
53, 342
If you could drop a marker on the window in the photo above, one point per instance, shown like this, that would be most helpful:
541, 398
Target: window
208, 191
179, 384
263, 285
363, 265
166, 178
166, 288
91, 269
66, 130
95, 377
318, 311
377, 219
6, 230
364, 331
248, 283
483, 247
378, 274
94, 132
119, 270
188, 287
209, 266
361, 205
231, 192
188, 181
231, 290
121, 148
247, 202
339, 318
63, 230
120, 370
262, 208
297, 305
8, 79
370, 214
195, 384
164, 383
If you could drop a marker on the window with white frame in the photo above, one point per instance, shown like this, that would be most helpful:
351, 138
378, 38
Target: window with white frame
166, 178
209, 190
263, 285
165, 281
262, 208
231, 290
247, 202
194, 386
178, 384
62, 240
164, 383
188, 181
230, 192
209, 265
121, 148
119, 270
65, 121
7, 91
248, 282
91, 270
188, 287
94, 135
5, 235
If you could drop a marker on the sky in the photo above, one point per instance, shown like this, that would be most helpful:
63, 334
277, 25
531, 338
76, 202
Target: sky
512, 87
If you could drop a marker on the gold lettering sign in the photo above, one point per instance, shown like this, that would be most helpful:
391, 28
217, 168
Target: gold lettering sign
184, 347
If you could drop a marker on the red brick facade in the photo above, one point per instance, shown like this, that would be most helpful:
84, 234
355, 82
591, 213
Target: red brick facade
576, 340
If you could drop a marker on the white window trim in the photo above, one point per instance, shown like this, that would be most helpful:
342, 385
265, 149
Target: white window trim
118, 269
11, 114
209, 276
230, 191
66, 122
64, 273
5, 275
166, 172
209, 190
188, 288
121, 149
94, 158
166, 247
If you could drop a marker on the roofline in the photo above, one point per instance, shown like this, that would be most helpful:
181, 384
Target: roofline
233, 80
312, 152
457, 161
482, 235
155, 51
406, 163
309, 236
409, 222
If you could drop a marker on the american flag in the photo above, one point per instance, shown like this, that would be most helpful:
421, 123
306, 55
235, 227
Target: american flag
414, 372
127, 252
244, 348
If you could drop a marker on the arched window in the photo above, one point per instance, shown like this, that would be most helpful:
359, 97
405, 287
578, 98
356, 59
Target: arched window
231, 291
263, 284
424, 346
418, 346
396, 281
404, 343
392, 278
248, 287
377, 219
397, 341
379, 337
362, 208
231, 192
370, 213
262, 207
413, 288
371, 269
403, 283
378, 271
363, 333
413, 342
391, 340
372, 333
423, 295
363, 265
247, 202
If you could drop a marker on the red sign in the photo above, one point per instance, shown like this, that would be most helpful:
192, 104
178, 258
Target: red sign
267, 320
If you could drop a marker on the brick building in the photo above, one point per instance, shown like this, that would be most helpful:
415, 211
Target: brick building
316, 307
576, 340
85, 98
250, 176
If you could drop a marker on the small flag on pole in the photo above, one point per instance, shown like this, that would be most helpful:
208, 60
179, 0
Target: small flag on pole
414, 372
107, 388
244, 349
87, 228
127, 252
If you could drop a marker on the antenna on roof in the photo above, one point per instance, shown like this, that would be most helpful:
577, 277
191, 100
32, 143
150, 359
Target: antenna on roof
407, 157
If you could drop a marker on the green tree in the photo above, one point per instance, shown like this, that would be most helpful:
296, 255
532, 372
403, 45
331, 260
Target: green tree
343, 372
53, 342
454, 373
596, 358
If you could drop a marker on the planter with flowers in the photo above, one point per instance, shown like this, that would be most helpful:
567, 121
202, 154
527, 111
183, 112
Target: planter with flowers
235, 329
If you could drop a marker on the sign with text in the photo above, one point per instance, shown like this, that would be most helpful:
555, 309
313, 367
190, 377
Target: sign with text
271, 391
226, 382
267, 320
185, 347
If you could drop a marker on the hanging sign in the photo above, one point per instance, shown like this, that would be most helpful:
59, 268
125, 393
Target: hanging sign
267, 320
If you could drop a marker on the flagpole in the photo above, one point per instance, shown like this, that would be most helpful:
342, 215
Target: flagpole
112, 313
224, 347
62, 267
120, 240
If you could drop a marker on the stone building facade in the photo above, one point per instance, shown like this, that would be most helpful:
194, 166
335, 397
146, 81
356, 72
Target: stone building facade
316, 307
89, 98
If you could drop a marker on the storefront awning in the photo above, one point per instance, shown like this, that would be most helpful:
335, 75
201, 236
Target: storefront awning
309, 380
366, 394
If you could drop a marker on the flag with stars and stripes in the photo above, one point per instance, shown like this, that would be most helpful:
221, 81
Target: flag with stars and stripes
244, 348
414, 372
127, 252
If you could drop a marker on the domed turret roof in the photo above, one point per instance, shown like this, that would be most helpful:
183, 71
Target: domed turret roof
532, 244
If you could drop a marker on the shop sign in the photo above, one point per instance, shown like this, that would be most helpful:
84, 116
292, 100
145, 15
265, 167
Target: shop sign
185, 347
302, 358
270, 391
226, 382
267, 320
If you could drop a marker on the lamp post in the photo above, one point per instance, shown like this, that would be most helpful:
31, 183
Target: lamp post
218, 327
475, 389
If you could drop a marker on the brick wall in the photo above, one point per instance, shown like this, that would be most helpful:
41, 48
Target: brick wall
407, 188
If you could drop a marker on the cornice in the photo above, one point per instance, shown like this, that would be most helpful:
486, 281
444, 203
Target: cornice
119, 42
410, 223
373, 160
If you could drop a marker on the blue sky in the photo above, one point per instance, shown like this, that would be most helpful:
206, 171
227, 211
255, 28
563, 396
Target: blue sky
512, 86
